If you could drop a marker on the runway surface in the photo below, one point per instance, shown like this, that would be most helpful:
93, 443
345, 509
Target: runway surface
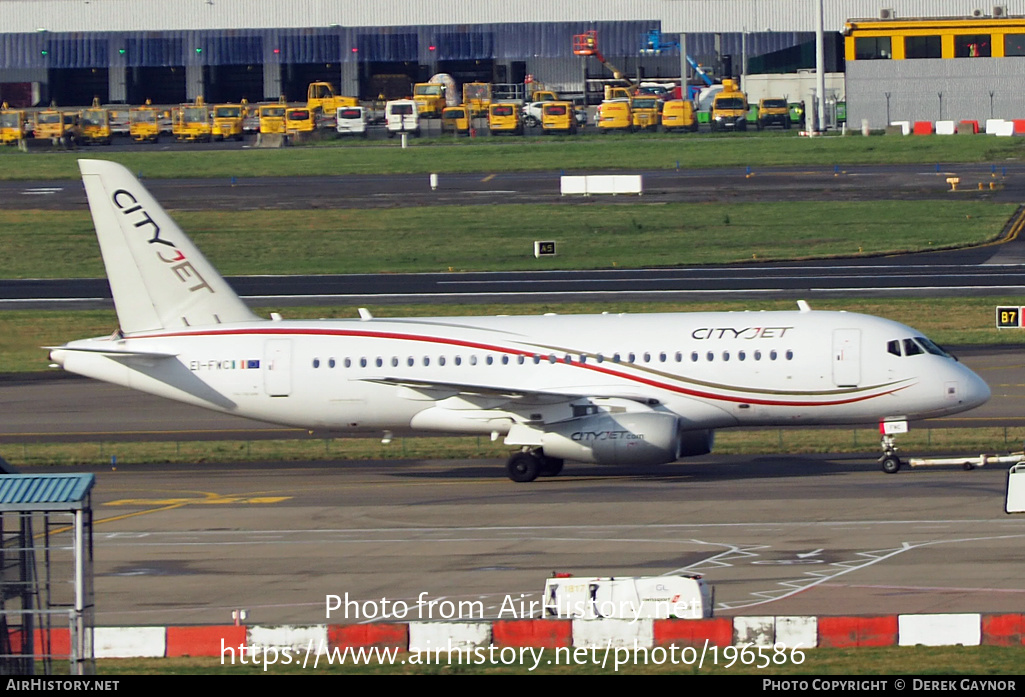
809, 535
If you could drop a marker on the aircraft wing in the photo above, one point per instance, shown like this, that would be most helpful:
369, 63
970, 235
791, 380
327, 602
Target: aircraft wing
432, 388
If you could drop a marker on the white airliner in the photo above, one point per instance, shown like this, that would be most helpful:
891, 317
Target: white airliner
610, 388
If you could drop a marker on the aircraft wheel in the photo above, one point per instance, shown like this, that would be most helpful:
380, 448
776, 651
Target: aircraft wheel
523, 467
968, 467
890, 464
551, 466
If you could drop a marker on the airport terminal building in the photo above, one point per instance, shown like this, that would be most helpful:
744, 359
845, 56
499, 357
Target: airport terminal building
121, 51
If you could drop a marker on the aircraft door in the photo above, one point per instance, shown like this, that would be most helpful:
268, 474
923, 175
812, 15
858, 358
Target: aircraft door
277, 367
846, 357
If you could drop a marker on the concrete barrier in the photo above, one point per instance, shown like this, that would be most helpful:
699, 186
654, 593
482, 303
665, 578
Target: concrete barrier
940, 630
611, 184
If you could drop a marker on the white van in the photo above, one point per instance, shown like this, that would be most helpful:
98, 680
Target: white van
683, 596
351, 121
400, 116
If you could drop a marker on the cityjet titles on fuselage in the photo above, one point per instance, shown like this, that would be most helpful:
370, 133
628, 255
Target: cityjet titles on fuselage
747, 333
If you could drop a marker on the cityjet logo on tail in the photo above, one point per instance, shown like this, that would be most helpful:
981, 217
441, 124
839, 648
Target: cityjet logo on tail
182, 267
745, 333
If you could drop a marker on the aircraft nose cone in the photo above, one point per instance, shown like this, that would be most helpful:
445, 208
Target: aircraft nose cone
977, 392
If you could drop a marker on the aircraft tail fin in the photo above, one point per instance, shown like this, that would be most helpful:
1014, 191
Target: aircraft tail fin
158, 278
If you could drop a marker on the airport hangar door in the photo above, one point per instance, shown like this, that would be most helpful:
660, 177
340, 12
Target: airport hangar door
155, 71
233, 69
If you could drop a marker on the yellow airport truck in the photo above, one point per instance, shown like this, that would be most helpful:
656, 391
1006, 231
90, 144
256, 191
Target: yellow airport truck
477, 97
53, 124
645, 112
773, 111
299, 121
558, 117
94, 125
614, 115
455, 119
504, 117
430, 99
321, 99
729, 108
229, 120
12, 125
144, 123
678, 115
272, 117
192, 122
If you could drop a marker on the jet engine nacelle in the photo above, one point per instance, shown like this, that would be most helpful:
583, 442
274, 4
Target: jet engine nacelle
644, 438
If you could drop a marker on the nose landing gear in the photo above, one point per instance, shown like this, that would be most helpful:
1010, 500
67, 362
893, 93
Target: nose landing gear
890, 462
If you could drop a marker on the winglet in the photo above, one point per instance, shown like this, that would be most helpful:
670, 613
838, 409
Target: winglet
158, 278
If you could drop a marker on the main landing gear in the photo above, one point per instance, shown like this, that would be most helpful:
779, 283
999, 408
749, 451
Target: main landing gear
528, 465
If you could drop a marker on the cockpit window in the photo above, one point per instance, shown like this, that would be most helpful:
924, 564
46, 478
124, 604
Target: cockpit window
893, 347
911, 348
931, 347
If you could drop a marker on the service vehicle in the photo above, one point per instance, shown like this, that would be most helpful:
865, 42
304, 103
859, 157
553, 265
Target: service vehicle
53, 124
430, 98
558, 117
144, 123
504, 117
351, 121
402, 116
229, 120
321, 99
272, 117
477, 97
299, 120
193, 122
679, 115
614, 115
683, 596
12, 125
455, 119
645, 112
94, 125
773, 111
729, 108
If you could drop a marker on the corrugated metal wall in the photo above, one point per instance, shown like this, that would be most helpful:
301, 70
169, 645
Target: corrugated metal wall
27, 16
933, 89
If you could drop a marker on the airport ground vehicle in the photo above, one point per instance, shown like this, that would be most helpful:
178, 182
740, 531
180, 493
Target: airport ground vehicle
12, 125
94, 125
645, 112
192, 122
684, 596
272, 117
53, 124
558, 117
616, 388
144, 124
614, 115
430, 98
229, 120
729, 108
455, 119
351, 121
401, 116
299, 120
773, 111
504, 117
477, 97
678, 115
321, 99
